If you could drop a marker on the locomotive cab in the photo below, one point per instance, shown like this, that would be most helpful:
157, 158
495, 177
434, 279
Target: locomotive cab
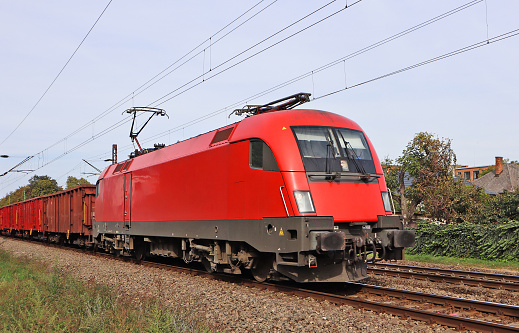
342, 216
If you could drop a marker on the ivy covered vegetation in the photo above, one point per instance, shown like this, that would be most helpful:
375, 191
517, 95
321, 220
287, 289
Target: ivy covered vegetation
493, 241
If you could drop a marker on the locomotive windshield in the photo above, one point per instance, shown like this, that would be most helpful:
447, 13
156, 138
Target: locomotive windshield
330, 149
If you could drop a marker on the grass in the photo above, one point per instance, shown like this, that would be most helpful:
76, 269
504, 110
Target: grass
467, 262
37, 298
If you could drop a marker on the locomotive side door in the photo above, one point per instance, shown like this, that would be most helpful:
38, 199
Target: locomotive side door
127, 199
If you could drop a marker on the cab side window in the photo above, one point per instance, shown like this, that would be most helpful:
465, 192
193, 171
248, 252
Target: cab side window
261, 157
98, 185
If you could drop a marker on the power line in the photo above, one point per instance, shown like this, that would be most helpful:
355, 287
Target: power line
133, 94
57, 76
485, 42
119, 123
202, 51
17, 165
489, 41
314, 71
202, 76
471, 47
432, 60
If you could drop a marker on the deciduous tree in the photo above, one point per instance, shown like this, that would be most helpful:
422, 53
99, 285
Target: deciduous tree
73, 182
426, 165
43, 185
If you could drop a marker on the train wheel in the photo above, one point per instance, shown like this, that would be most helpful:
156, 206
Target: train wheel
261, 268
139, 253
114, 252
207, 265
141, 250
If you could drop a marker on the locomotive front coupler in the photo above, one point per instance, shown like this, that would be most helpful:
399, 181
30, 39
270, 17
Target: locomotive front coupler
389, 230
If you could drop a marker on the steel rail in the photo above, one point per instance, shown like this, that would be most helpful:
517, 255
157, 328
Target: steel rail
450, 277
462, 303
430, 317
443, 271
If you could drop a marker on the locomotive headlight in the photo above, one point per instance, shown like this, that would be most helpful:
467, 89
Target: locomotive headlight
386, 201
304, 201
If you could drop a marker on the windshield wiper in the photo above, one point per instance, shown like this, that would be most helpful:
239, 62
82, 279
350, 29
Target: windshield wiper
328, 168
350, 151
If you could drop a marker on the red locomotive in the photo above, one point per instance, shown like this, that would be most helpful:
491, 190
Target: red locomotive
297, 194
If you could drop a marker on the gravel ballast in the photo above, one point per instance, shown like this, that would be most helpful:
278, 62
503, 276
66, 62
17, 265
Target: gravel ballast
227, 306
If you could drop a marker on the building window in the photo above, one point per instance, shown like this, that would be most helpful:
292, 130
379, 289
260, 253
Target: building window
475, 174
467, 175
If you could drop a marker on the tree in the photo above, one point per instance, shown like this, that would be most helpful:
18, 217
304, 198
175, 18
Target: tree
20, 194
426, 164
487, 170
453, 200
73, 182
43, 185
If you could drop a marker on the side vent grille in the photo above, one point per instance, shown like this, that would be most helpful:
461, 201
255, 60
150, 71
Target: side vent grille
119, 167
222, 135
127, 165
123, 166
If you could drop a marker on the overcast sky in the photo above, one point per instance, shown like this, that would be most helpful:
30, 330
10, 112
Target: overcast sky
471, 98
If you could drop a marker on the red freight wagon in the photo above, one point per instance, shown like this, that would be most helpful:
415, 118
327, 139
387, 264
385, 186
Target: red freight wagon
6, 217
22, 217
3, 221
31, 214
68, 214
296, 194
14, 217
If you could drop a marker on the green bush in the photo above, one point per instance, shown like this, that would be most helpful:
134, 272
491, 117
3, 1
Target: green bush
495, 241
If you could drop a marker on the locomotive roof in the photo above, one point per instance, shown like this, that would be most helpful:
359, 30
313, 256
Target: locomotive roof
272, 127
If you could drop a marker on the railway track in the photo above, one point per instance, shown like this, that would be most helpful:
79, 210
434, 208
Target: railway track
420, 306
477, 279
448, 311
443, 310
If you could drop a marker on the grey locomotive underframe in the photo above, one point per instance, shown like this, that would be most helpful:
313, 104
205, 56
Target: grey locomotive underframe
304, 249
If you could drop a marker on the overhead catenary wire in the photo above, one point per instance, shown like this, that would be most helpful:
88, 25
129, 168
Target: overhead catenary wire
319, 69
164, 98
118, 124
474, 46
471, 47
16, 166
429, 61
57, 76
324, 67
143, 87
477, 45
259, 43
